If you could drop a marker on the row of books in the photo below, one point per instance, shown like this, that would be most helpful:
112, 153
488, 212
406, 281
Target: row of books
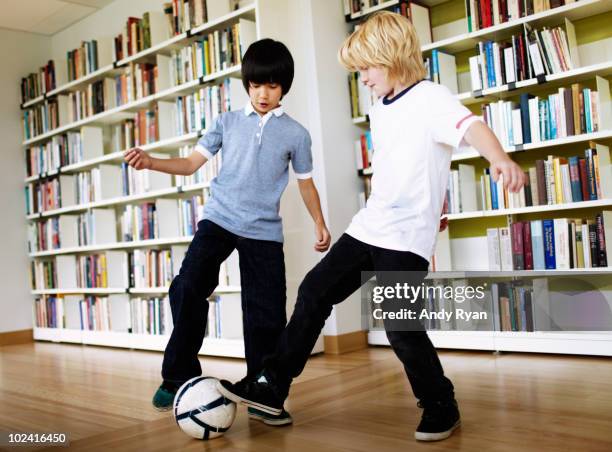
43, 274
182, 15
213, 324
364, 150
212, 53
487, 13
164, 218
150, 268
91, 100
38, 83
513, 306
93, 313
362, 97
570, 111
48, 312
549, 244
554, 180
61, 150
522, 57
141, 181
41, 118
139, 222
82, 60
131, 133
92, 271
559, 180
191, 211
140, 34
150, 315
98, 270
44, 235
442, 68
134, 315
103, 183
205, 174
42, 196
137, 81
197, 111
140, 268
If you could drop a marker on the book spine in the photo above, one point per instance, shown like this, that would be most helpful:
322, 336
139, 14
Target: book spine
549, 244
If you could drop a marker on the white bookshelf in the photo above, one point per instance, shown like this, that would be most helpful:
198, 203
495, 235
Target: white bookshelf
232, 348
595, 65
121, 200
113, 246
519, 273
575, 139
162, 290
578, 343
574, 11
531, 209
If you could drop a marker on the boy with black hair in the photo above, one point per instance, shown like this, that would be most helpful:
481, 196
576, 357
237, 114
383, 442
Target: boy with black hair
258, 142
415, 126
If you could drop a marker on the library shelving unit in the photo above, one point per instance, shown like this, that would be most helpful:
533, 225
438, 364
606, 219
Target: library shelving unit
464, 251
106, 241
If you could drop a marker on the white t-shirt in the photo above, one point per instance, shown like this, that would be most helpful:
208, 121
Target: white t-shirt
413, 137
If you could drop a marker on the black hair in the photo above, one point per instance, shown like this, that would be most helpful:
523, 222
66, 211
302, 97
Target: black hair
268, 61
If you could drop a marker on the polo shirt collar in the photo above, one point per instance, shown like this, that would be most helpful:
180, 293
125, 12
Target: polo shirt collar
248, 109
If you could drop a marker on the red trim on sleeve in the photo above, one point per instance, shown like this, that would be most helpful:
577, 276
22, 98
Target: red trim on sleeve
463, 120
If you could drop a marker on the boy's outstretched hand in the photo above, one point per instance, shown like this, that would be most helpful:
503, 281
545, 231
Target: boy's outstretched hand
512, 175
137, 158
323, 238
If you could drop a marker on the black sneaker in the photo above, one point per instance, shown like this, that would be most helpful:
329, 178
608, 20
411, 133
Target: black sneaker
260, 392
438, 422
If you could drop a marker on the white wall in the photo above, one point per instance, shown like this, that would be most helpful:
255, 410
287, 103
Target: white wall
20, 53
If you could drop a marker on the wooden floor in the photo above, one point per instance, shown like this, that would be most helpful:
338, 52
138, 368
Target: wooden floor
355, 402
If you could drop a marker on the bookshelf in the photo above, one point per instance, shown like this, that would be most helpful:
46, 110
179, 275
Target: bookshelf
461, 252
100, 146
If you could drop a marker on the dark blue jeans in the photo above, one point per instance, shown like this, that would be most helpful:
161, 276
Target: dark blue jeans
331, 281
262, 277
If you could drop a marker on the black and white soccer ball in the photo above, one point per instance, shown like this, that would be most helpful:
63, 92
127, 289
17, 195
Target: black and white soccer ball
201, 411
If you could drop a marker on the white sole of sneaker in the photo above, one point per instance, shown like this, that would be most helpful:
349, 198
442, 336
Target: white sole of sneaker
439, 436
234, 398
268, 421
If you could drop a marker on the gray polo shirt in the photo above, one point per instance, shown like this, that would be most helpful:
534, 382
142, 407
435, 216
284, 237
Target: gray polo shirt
245, 196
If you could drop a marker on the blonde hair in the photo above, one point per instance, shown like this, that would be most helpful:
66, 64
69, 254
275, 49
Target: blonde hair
386, 40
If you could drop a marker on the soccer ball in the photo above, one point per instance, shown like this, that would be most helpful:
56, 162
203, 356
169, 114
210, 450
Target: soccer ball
201, 411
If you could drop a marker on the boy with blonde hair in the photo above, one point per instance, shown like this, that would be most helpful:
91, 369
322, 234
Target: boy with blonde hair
415, 126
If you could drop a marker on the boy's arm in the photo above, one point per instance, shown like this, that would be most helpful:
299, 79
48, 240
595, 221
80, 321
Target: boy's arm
183, 166
482, 138
310, 195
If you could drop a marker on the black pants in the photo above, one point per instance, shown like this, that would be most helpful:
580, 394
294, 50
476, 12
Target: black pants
336, 277
262, 277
